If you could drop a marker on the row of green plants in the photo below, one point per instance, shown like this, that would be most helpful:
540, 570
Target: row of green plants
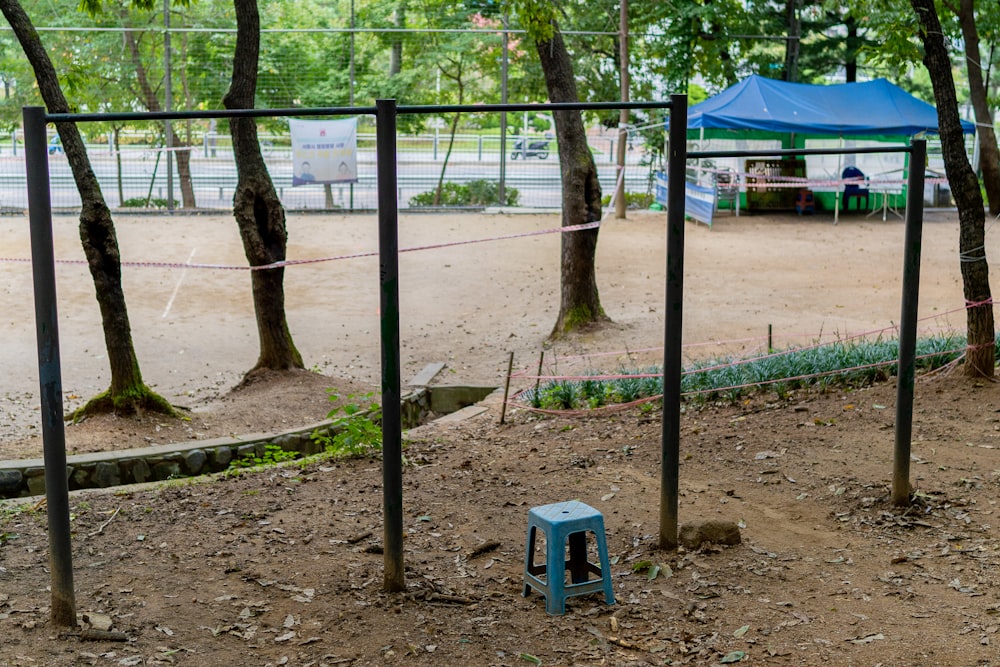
641, 200
481, 192
840, 364
356, 431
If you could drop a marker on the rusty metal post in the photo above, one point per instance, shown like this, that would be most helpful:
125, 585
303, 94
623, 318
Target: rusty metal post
906, 375
673, 312
43, 270
392, 433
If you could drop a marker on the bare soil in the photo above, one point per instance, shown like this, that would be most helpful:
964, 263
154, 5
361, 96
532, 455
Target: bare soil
284, 567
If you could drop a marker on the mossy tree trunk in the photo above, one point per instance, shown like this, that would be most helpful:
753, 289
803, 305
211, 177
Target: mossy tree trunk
127, 393
579, 303
980, 354
256, 206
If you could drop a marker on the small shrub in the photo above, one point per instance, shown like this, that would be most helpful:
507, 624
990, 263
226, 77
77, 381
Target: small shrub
480, 192
142, 202
632, 199
273, 454
356, 429
561, 395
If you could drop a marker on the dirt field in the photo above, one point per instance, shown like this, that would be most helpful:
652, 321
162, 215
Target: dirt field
284, 567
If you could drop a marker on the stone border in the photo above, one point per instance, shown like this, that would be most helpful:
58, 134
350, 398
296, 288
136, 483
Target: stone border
23, 478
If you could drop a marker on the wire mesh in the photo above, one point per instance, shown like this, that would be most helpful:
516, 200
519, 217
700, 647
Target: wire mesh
134, 174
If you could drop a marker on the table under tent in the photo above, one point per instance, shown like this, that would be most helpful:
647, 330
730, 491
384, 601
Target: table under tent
761, 113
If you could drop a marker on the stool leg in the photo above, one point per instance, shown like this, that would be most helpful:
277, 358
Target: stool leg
529, 560
555, 557
602, 550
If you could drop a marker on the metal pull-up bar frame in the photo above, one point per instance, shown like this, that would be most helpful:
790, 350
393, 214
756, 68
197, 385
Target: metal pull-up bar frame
385, 112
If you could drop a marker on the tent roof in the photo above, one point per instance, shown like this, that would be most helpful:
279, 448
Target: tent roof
872, 107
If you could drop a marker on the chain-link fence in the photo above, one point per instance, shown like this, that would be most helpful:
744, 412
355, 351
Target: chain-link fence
469, 167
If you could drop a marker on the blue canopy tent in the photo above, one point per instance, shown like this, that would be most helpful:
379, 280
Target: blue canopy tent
762, 108
847, 109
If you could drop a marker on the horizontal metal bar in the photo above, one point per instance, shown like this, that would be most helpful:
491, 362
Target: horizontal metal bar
232, 31
212, 113
699, 155
530, 106
347, 111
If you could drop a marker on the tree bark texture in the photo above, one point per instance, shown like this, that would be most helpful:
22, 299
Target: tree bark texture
580, 303
396, 48
793, 10
127, 393
852, 44
152, 103
980, 354
989, 155
256, 206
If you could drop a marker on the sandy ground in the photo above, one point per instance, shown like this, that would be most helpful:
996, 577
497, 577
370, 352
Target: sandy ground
466, 305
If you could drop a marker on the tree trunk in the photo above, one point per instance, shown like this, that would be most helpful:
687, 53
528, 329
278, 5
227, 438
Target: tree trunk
579, 303
792, 44
396, 50
980, 354
447, 155
256, 206
128, 393
453, 130
152, 103
989, 155
852, 46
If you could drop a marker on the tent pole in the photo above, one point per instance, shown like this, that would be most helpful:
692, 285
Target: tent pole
836, 193
701, 147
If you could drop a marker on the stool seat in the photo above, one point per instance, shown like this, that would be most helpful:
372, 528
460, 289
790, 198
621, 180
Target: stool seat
566, 523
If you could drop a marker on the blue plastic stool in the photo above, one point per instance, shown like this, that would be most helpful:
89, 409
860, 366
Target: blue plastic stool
562, 523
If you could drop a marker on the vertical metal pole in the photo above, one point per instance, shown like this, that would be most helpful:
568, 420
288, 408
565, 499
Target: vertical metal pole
504, 60
351, 63
669, 472
350, 188
392, 437
621, 205
908, 323
43, 269
506, 389
168, 105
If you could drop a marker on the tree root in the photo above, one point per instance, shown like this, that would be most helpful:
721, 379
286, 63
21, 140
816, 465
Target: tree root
137, 401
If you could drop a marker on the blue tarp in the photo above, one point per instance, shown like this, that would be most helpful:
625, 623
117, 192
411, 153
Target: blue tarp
699, 200
872, 107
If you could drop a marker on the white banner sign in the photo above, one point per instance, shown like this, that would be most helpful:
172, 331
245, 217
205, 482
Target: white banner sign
324, 151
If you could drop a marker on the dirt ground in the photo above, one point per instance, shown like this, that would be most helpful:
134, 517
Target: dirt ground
284, 567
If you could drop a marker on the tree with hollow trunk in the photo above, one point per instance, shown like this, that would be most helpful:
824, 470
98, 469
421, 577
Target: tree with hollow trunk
579, 302
989, 153
128, 394
980, 354
256, 206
